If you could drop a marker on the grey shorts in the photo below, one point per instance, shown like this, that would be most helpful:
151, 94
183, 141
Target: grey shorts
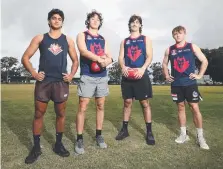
93, 86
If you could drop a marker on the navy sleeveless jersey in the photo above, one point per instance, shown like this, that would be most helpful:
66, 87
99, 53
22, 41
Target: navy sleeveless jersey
95, 44
182, 64
53, 57
135, 51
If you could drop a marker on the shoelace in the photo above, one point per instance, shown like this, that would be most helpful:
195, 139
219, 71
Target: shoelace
100, 139
80, 144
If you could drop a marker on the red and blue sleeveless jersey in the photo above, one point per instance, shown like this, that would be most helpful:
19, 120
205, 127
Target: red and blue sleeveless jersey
182, 61
135, 51
95, 44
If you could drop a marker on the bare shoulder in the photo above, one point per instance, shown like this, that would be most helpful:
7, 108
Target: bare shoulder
37, 38
195, 47
148, 38
69, 40
81, 34
167, 51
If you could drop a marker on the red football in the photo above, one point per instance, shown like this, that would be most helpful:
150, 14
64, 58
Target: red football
95, 67
131, 73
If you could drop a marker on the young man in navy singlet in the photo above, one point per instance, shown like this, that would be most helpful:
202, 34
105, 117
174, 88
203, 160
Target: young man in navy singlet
94, 57
183, 81
52, 79
136, 52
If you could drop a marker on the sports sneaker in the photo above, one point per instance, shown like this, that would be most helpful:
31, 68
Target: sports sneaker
79, 147
150, 139
202, 143
100, 142
33, 155
123, 133
182, 138
60, 150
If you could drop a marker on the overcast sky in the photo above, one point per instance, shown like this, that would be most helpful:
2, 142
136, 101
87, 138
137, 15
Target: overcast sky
23, 19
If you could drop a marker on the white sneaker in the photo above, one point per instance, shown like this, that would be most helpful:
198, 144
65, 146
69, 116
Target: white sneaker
202, 143
182, 138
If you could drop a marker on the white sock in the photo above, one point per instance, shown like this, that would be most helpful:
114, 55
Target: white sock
183, 130
199, 132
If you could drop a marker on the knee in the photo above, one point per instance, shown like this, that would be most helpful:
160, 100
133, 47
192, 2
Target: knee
82, 107
39, 114
194, 108
181, 107
100, 106
60, 114
128, 103
145, 104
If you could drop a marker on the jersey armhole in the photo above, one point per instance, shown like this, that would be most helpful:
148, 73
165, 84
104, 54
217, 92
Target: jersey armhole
45, 34
192, 48
169, 53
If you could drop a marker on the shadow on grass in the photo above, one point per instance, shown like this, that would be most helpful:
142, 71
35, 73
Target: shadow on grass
164, 111
114, 112
19, 122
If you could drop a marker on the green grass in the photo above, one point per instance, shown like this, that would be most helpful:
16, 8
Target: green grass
17, 114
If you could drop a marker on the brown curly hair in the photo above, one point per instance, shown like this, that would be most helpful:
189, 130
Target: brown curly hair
132, 19
92, 14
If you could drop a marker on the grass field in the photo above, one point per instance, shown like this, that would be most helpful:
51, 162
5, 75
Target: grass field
132, 153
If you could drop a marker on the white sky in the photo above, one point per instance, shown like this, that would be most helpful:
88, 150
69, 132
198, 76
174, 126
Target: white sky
23, 19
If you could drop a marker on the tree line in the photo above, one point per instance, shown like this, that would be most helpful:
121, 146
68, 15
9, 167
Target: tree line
11, 68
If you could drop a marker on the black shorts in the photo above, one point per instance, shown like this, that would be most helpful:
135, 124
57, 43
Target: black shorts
188, 93
139, 89
56, 91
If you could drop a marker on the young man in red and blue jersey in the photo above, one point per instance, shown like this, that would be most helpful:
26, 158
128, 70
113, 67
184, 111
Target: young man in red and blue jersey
136, 52
183, 78
94, 57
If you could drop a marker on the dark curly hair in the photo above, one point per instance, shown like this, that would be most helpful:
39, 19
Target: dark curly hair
55, 11
132, 19
92, 14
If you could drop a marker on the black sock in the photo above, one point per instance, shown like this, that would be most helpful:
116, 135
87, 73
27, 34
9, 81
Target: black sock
125, 125
59, 137
149, 127
98, 132
79, 136
36, 140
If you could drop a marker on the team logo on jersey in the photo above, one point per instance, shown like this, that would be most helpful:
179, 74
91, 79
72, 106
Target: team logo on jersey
195, 94
127, 42
55, 49
89, 37
173, 52
181, 64
134, 52
97, 49
185, 50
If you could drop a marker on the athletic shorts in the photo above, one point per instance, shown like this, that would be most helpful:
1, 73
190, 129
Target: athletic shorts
93, 86
140, 89
56, 91
188, 93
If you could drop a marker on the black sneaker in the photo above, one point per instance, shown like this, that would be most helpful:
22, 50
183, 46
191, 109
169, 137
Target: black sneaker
60, 150
150, 139
33, 155
123, 133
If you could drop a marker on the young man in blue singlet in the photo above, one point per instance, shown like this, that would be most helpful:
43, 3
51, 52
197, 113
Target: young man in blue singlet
183, 81
136, 52
52, 79
94, 57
